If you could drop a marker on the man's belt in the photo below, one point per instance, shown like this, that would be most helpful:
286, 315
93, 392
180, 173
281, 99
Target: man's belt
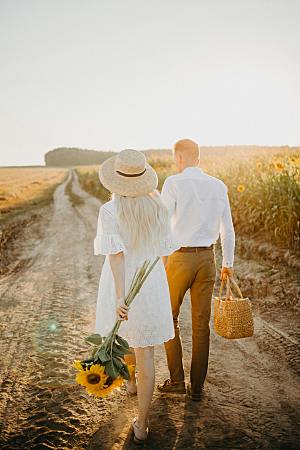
194, 249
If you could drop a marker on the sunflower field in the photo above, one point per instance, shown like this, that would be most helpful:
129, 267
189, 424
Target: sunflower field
264, 192
265, 199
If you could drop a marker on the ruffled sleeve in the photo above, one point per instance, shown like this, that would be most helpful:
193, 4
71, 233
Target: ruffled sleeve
108, 240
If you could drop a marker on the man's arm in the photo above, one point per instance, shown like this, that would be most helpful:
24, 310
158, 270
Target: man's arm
227, 235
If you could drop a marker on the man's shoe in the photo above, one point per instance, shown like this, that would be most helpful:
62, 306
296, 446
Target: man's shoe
172, 387
196, 397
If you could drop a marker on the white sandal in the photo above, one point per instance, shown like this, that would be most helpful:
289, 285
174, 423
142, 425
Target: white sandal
139, 437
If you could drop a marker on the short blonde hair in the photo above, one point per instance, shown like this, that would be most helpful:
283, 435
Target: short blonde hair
188, 148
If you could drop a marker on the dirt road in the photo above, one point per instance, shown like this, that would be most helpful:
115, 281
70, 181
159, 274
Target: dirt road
47, 307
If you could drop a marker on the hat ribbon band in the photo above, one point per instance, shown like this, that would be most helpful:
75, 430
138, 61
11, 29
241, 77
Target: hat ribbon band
131, 174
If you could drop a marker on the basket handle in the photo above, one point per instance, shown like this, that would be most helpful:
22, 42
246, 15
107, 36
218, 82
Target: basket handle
228, 288
236, 287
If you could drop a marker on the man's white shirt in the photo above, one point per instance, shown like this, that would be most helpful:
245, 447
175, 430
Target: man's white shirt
200, 211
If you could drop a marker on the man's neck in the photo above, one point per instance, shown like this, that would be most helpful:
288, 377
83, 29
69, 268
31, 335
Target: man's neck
190, 166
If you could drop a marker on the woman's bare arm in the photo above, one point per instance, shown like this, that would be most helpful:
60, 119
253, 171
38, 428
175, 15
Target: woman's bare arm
118, 270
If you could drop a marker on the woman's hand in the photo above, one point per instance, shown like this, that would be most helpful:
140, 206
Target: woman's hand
122, 309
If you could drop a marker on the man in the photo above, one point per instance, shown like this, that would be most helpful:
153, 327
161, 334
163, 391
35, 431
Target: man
200, 213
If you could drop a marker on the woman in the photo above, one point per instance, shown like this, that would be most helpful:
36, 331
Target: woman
133, 227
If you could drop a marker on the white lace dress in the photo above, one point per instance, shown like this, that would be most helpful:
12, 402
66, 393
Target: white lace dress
150, 319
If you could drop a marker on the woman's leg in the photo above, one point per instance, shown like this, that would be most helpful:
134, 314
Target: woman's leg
146, 373
130, 361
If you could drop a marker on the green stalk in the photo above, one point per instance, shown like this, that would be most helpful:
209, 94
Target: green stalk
135, 287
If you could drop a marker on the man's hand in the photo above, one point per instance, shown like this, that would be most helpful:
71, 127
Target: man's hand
122, 309
226, 272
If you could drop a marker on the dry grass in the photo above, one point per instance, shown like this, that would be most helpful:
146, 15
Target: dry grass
89, 181
25, 187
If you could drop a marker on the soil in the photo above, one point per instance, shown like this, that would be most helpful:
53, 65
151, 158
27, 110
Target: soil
47, 307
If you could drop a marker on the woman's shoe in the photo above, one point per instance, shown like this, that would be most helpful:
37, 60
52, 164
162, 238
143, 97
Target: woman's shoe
139, 437
131, 388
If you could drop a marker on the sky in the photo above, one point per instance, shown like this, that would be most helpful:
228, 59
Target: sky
115, 74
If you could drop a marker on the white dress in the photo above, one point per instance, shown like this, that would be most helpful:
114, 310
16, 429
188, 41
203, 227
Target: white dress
150, 319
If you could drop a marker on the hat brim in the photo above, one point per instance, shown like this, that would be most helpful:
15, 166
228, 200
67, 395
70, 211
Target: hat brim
127, 186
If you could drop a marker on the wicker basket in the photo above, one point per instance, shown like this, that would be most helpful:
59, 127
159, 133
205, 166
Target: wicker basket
232, 315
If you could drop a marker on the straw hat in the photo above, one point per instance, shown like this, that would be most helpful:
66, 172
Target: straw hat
128, 174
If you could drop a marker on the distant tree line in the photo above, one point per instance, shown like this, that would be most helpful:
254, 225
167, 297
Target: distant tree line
71, 156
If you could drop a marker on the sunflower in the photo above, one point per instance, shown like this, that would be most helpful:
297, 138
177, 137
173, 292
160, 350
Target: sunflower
93, 379
109, 386
77, 365
259, 165
241, 188
294, 160
131, 369
278, 166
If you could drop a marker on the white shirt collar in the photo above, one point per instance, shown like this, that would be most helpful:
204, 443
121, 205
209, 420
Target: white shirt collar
192, 169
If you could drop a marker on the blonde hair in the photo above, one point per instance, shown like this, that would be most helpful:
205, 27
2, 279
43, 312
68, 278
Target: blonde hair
142, 220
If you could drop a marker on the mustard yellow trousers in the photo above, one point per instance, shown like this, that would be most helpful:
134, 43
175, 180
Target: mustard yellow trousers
197, 272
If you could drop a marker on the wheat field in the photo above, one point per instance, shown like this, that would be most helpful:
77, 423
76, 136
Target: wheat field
21, 187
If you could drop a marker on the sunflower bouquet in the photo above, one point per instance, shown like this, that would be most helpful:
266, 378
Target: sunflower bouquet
105, 369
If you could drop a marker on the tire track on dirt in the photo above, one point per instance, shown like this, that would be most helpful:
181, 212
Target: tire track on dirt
46, 311
272, 340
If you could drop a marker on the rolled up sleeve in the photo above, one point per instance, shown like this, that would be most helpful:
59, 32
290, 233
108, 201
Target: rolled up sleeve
227, 235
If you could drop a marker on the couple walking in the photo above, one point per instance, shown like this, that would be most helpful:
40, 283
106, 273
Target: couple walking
181, 225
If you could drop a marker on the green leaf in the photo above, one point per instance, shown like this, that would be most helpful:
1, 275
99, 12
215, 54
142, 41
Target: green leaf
122, 341
94, 339
117, 363
127, 351
124, 372
94, 351
103, 355
117, 350
88, 360
111, 370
